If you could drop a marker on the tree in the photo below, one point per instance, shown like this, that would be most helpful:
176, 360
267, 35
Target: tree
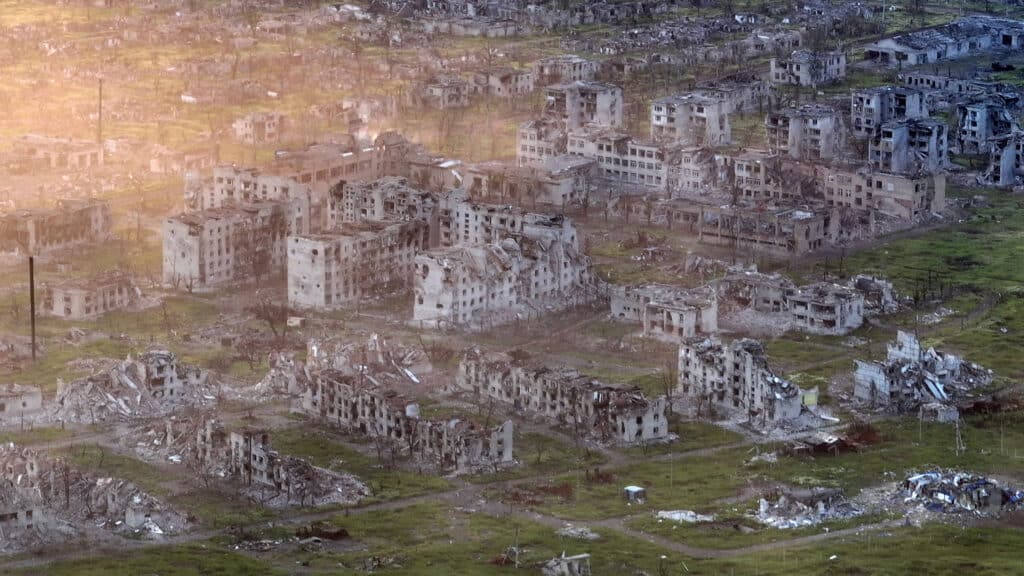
269, 311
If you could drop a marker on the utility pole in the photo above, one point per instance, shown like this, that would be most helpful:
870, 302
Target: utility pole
32, 301
99, 124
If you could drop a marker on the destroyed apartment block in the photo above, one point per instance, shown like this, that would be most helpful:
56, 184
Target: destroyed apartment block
540, 139
912, 377
626, 160
220, 245
82, 299
154, 383
259, 128
906, 197
756, 176
693, 118
1006, 163
42, 152
560, 181
820, 308
503, 82
441, 93
168, 161
909, 146
577, 565
576, 104
946, 86
960, 38
735, 379
47, 494
564, 397
664, 311
872, 107
563, 69
807, 68
980, 123
382, 200
810, 132
363, 261
71, 223
350, 400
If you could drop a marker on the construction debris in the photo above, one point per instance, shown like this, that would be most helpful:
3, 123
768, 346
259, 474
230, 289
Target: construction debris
790, 512
688, 516
953, 492
579, 532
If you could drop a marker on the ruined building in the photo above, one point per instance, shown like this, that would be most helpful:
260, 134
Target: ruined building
258, 128
810, 132
220, 245
1006, 161
872, 107
965, 36
562, 69
903, 196
912, 375
558, 181
540, 139
735, 378
351, 265
564, 397
70, 223
979, 123
503, 82
578, 103
18, 401
666, 311
920, 144
81, 299
443, 93
622, 158
353, 402
33, 151
807, 68
820, 308
692, 118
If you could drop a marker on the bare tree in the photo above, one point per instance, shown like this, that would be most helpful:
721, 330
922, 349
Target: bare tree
268, 310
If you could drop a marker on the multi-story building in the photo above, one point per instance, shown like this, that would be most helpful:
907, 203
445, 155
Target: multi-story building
58, 153
78, 299
219, 245
807, 68
558, 181
666, 311
909, 146
72, 222
445, 93
692, 118
576, 104
965, 36
563, 68
539, 140
1007, 160
352, 265
811, 132
872, 107
259, 127
564, 397
897, 195
622, 158
736, 378
503, 82
979, 122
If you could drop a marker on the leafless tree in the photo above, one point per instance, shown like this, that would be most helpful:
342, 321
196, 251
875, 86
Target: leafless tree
267, 309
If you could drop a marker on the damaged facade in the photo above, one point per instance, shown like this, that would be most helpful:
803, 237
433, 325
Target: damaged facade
70, 223
912, 376
564, 397
820, 308
811, 132
692, 118
807, 68
89, 298
872, 107
259, 128
920, 144
963, 37
666, 311
735, 377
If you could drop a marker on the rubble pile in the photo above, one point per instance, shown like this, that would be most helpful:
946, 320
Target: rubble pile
789, 512
48, 494
307, 485
688, 516
383, 362
953, 492
150, 385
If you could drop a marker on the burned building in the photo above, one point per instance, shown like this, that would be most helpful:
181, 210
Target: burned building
820, 308
920, 144
902, 196
912, 375
666, 311
381, 200
220, 245
781, 232
740, 92
872, 107
558, 181
503, 82
757, 176
351, 401
578, 103
351, 265
564, 397
736, 378
70, 223
1006, 160
623, 158
810, 132
693, 118
259, 128
807, 68
81, 299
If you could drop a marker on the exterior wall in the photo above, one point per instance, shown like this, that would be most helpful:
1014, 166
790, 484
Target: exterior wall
538, 141
565, 398
77, 301
579, 103
71, 223
807, 133
871, 108
621, 158
666, 311
258, 128
910, 145
736, 377
562, 69
894, 195
338, 270
806, 68
504, 83
691, 118
18, 401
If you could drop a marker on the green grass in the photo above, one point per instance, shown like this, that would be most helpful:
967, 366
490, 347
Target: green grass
386, 484
183, 560
36, 436
103, 462
692, 436
539, 454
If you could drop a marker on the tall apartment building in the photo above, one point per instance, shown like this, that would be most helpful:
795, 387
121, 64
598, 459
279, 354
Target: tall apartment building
692, 118
807, 68
872, 107
810, 132
895, 195
579, 103
910, 146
